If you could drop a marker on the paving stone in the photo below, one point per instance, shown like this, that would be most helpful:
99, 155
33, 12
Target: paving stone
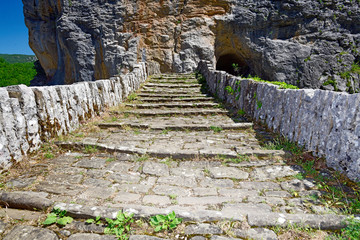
243, 209
20, 182
135, 188
198, 238
268, 200
274, 172
237, 193
178, 181
143, 237
65, 233
25, 200
156, 200
187, 172
3, 226
217, 183
202, 192
215, 237
297, 185
97, 173
325, 222
202, 200
125, 197
120, 166
277, 194
156, 169
125, 177
260, 185
91, 236
93, 162
20, 214
202, 229
256, 234
22, 232
171, 190
228, 172
97, 193
60, 189
97, 182
77, 226
64, 178
199, 164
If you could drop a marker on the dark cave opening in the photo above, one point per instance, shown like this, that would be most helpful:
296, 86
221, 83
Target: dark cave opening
233, 64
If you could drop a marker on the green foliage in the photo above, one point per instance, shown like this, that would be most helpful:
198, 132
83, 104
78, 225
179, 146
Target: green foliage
97, 220
355, 68
49, 155
16, 73
282, 85
57, 216
331, 82
90, 149
229, 90
241, 112
132, 97
351, 232
259, 104
216, 129
120, 226
165, 222
284, 144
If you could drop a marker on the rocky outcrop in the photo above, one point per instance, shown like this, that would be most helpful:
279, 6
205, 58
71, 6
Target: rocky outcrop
309, 43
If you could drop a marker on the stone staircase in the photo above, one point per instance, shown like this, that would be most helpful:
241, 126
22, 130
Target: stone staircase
172, 148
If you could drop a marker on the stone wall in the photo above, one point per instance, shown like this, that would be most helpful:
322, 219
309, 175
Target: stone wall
324, 122
32, 115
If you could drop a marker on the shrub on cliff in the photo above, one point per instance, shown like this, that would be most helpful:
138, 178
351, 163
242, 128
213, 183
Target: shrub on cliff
16, 73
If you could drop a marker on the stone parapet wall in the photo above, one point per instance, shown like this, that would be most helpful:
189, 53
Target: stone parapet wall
324, 122
31, 115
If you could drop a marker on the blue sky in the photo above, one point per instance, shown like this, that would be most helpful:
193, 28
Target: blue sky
14, 37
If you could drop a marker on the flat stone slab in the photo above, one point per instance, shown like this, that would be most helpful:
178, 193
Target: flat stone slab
25, 200
156, 169
326, 222
256, 234
228, 172
28, 232
91, 236
274, 172
202, 229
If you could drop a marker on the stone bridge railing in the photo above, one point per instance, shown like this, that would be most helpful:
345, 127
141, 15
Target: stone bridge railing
324, 122
31, 115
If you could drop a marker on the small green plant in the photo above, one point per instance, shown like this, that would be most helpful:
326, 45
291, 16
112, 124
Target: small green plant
239, 159
259, 104
121, 226
58, 216
282, 85
90, 149
284, 144
165, 131
97, 220
49, 155
229, 90
132, 97
110, 159
216, 129
142, 158
241, 112
165, 222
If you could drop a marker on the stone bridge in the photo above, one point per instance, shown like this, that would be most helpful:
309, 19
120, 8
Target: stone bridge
170, 146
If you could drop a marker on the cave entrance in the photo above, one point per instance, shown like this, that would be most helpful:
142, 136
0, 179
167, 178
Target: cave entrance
233, 64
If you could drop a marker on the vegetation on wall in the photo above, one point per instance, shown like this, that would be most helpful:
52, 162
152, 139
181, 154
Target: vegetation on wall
18, 58
16, 73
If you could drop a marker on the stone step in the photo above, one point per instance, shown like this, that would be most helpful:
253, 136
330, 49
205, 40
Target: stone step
171, 85
173, 81
172, 95
173, 105
172, 112
177, 127
171, 90
190, 99
174, 76
170, 153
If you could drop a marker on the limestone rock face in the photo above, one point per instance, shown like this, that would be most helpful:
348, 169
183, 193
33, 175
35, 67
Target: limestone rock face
308, 43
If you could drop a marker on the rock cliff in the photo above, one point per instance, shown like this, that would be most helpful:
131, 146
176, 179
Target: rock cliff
309, 43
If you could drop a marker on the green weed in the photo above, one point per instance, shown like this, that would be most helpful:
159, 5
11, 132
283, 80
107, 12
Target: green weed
97, 220
133, 96
165, 222
90, 149
120, 226
284, 144
216, 129
57, 216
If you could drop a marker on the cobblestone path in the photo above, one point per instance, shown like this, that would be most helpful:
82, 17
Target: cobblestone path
172, 148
